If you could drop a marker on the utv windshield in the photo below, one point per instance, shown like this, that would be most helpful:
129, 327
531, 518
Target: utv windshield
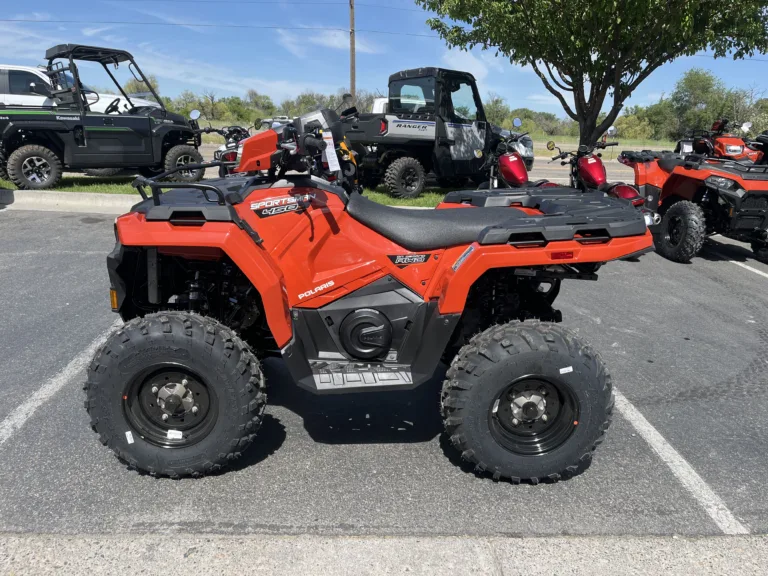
412, 96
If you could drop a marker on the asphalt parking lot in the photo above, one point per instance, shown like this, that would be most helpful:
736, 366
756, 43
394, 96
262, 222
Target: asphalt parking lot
686, 345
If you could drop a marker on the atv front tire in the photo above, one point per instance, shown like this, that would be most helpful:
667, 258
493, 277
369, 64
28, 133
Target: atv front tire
682, 231
175, 394
405, 178
180, 155
527, 401
3, 173
34, 167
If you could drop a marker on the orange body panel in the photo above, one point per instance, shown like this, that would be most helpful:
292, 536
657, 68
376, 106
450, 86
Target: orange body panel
722, 142
257, 152
315, 255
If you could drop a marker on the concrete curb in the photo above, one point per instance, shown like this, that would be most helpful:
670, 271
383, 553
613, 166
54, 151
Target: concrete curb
85, 202
54, 201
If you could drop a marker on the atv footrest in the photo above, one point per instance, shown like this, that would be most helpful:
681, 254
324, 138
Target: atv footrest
340, 376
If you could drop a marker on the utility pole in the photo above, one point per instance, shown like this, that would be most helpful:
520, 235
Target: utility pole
352, 47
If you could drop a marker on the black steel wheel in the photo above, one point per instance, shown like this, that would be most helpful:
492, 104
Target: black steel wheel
527, 401
533, 415
170, 406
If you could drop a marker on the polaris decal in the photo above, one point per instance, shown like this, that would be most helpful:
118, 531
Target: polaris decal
403, 260
316, 290
281, 205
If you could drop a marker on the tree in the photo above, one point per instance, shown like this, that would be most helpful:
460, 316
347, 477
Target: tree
633, 127
261, 102
209, 104
588, 51
134, 86
496, 109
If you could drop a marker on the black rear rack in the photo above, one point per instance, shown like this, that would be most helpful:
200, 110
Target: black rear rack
156, 185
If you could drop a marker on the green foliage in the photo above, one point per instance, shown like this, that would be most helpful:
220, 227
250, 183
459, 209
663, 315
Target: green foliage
589, 51
134, 86
633, 127
496, 109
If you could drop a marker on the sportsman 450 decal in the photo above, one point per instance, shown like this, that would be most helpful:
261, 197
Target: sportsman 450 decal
403, 260
281, 205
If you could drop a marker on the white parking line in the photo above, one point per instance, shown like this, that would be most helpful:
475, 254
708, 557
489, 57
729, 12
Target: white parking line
755, 270
24, 411
679, 466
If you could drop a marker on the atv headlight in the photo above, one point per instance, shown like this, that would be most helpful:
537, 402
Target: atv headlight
732, 150
720, 182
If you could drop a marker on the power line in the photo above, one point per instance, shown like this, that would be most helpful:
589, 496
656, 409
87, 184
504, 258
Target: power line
268, 2
199, 25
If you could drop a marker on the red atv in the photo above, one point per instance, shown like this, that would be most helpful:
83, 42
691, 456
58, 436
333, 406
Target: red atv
355, 297
697, 196
719, 143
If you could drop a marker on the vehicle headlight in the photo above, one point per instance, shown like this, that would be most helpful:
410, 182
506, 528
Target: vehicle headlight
733, 149
524, 148
720, 182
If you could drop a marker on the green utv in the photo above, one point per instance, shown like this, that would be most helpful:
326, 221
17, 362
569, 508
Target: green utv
38, 144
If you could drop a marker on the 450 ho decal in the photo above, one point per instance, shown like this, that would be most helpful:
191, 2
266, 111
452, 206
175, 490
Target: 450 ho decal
281, 205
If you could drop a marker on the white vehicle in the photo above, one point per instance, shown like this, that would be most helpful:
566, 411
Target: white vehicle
30, 86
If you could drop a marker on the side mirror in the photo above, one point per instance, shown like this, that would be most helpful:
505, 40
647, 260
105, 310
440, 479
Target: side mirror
194, 114
516, 122
611, 131
38, 89
550, 145
347, 99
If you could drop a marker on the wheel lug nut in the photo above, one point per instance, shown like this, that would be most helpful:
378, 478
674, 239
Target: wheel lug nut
543, 391
165, 417
194, 409
185, 382
154, 389
544, 417
515, 421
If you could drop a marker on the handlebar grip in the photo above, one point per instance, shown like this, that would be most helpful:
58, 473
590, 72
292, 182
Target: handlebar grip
611, 144
316, 143
556, 157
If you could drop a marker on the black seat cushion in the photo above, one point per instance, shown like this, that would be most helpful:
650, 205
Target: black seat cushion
417, 230
668, 162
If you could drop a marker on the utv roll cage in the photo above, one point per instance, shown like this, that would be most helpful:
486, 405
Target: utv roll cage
104, 56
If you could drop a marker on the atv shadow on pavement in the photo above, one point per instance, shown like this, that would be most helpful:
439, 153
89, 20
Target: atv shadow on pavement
271, 436
375, 417
715, 251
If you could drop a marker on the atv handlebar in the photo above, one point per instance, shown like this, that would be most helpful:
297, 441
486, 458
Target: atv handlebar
312, 142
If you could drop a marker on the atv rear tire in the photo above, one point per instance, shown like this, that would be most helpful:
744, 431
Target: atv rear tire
154, 373
761, 251
527, 401
3, 173
405, 178
34, 167
180, 155
681, 232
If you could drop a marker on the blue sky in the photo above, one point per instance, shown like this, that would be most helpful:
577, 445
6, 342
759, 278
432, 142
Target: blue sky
283, 62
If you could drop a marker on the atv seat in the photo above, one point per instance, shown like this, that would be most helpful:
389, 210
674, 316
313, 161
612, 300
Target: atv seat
668, 162
427, 229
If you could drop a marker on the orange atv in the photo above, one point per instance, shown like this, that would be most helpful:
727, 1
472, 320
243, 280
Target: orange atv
719, 143
354, 297
697, 196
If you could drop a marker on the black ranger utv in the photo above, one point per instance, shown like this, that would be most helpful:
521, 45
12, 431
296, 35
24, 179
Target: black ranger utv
37, 144
434, 121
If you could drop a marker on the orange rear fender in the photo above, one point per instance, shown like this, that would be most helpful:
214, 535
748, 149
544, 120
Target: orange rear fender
254, 262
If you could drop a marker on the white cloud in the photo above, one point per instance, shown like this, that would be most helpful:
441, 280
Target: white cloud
189, 71
545, 99
333, 39
183, 23
466, 62
95, 31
